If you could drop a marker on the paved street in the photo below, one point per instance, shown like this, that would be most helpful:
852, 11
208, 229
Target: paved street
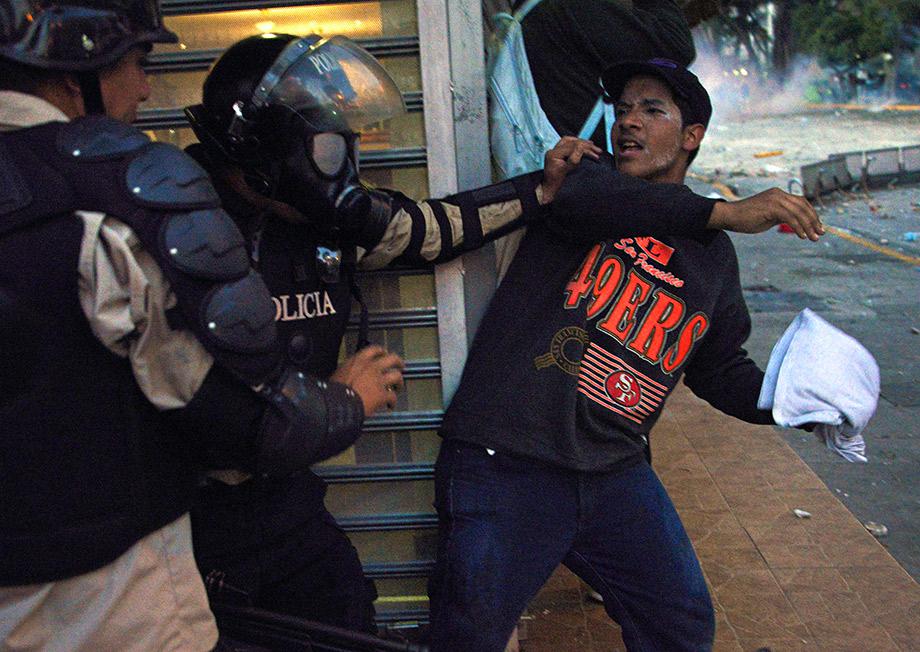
778, 582
858, 283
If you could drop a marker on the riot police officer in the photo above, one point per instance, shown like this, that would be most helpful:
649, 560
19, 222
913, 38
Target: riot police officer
279, 125
144, 338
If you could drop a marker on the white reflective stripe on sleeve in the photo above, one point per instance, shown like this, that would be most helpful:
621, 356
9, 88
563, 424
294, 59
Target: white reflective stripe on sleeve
393, 243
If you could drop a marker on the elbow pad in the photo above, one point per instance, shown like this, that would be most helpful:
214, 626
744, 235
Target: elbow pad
307, 420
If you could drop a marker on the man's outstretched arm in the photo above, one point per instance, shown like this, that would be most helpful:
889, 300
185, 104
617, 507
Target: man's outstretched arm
596, 202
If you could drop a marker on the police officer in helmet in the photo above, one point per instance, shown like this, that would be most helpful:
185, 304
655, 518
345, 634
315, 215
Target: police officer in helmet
150, 344
279, 126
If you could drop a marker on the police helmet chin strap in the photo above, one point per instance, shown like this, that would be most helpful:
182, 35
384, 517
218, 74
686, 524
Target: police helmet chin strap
91, 91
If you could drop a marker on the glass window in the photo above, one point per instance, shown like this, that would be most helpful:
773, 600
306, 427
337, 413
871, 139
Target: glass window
411, 344
406, 130
375, 547
391, 292
174, 89
181, 88
181, 137
413, 181
358, 20
385, 448
397, 447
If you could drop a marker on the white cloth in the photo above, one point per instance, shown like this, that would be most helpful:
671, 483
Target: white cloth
819, 374
20, 110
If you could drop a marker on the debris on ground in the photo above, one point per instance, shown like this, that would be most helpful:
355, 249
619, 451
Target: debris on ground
876, 529
801, 513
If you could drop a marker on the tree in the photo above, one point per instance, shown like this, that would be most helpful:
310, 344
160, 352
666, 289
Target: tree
842, 33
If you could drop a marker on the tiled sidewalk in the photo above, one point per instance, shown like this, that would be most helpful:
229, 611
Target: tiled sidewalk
778, 582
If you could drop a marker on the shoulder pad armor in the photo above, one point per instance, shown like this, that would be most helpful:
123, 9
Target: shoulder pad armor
96, 138
163, 176
206, 244
240, 316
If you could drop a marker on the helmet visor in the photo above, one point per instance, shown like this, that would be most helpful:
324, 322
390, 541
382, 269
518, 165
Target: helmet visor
334, 84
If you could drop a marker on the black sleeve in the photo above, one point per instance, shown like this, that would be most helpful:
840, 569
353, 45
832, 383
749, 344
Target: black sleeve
299, 421
720, 372
668, 29
596, 203
223, 420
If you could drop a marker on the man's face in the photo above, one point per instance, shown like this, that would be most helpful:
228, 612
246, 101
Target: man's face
648, 140
124, 85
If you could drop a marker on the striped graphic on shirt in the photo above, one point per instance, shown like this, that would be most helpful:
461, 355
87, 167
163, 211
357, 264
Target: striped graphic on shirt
609, 381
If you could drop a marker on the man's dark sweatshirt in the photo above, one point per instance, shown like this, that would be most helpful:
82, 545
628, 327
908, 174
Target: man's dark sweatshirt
593, 327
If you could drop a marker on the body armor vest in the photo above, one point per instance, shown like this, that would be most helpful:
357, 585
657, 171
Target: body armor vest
311, 315
99, 164
88, 465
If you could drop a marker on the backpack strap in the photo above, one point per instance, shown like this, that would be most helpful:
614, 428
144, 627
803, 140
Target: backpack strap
601, 108
525, 9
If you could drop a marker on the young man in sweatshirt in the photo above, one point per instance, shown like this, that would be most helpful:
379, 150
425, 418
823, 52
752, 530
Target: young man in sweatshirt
544, 453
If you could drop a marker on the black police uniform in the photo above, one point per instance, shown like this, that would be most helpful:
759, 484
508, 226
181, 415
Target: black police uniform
272, 544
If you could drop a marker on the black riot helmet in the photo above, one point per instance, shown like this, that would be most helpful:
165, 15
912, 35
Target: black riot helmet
331, 84
230, 84
287, 111
77, 35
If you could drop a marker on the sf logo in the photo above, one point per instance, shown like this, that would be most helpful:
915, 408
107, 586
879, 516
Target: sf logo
623, 388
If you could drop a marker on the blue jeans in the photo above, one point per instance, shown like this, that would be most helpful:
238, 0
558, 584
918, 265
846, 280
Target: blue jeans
506, 522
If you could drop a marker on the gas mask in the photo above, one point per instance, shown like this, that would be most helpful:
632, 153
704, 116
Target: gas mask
297, 134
